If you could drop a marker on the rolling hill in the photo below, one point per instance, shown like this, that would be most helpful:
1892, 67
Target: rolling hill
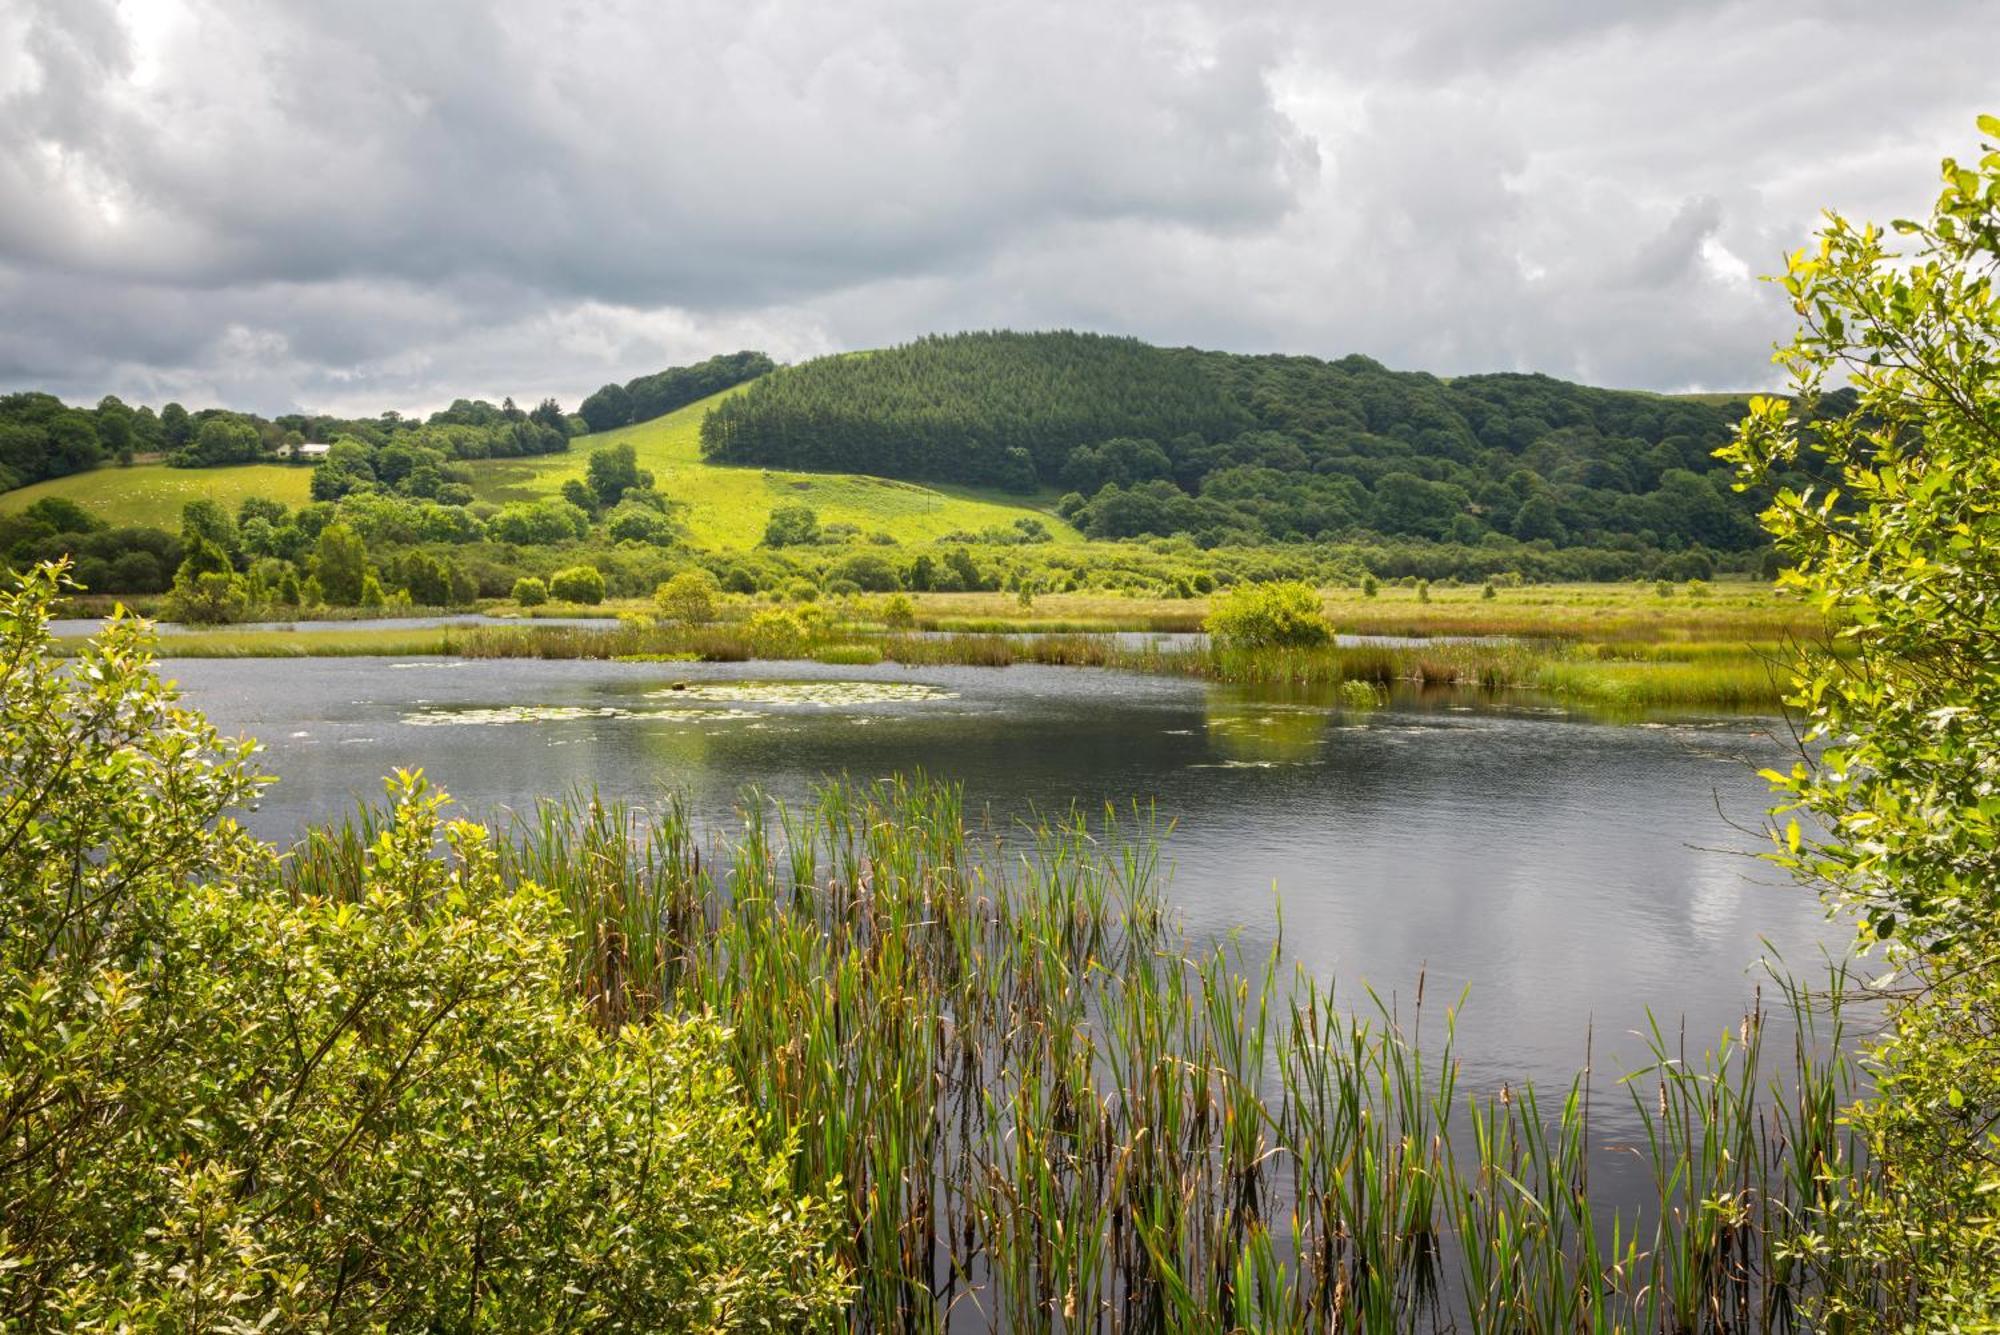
153, 494
726, 506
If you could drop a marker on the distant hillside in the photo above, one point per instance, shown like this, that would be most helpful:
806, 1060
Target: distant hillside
1227, 447
649, 396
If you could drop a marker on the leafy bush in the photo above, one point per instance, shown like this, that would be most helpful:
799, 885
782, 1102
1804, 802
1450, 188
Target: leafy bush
208, 599
688, 596
792, 526
777, 633
530, 591
577, 584
1903, 737
1285, 615
898, 612
867, 571
226, 1108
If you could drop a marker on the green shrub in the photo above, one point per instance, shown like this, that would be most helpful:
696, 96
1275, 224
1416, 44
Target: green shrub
792, 526
898, 612
577, 584
1357, 694
777, 633
530, 591
1270, 616
688, 597
868, 571
226, 1107
207, 599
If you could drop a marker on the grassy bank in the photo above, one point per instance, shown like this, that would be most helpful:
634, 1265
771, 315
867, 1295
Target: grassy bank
1616, 675
1046, 1106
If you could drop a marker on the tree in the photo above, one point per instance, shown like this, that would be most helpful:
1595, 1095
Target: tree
792, 526
608, 408
222, 439
577, 584
578, 493
205, 520
867, 571
207, 598
632, 522
688, 597
1538, 518
176, 427
340, 565
1899, 546
549, 413
539, 523
611, 471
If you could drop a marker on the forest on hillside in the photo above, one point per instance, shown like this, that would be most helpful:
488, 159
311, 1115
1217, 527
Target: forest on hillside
1231, 448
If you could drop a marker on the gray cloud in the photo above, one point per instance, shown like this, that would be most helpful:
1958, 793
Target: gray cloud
385, 204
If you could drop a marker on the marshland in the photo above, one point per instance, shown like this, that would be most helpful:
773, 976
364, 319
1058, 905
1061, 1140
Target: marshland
1044, 830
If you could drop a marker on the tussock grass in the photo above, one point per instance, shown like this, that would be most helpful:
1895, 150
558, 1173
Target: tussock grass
1049, 1109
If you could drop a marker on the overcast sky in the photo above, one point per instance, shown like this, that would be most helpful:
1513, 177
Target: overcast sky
350, 205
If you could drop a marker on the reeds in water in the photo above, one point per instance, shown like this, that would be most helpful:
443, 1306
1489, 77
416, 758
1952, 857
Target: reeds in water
1047, 1109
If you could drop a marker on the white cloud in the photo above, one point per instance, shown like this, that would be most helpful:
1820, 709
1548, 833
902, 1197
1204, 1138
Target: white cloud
385, 204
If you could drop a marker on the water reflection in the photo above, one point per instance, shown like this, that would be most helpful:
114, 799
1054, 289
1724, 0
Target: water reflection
1571, 874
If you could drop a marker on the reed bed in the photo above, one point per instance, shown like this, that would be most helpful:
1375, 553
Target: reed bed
1047, 1109
1693, 675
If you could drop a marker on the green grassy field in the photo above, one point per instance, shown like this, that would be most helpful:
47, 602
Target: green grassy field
153, 494
727, 507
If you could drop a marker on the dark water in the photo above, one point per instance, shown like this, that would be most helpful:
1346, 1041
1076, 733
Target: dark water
1570, 873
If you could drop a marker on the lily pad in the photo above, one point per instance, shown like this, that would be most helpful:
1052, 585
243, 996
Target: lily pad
807, 694
504, 714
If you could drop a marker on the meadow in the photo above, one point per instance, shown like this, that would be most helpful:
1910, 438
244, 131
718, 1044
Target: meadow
727, 507
152, 494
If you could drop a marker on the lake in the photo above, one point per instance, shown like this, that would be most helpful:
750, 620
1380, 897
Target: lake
1569, 873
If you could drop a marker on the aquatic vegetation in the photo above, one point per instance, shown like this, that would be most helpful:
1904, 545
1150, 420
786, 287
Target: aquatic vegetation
808, 694
1043, 1098
848, 655
508, 714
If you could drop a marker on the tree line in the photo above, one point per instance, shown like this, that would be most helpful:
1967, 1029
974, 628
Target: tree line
650, 396
41, 437
1228, 448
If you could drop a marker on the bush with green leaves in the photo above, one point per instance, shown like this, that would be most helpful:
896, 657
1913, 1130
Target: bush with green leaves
792, 526
211, 598
779, 633
1284, 615
530, 591
1898, 782
577, 584
228, 1107
689, 597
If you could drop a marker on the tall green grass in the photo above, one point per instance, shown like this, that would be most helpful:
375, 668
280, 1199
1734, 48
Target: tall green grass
1048, 1109
1637, 676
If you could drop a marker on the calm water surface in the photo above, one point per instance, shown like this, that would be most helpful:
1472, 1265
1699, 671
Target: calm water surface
1569, 873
